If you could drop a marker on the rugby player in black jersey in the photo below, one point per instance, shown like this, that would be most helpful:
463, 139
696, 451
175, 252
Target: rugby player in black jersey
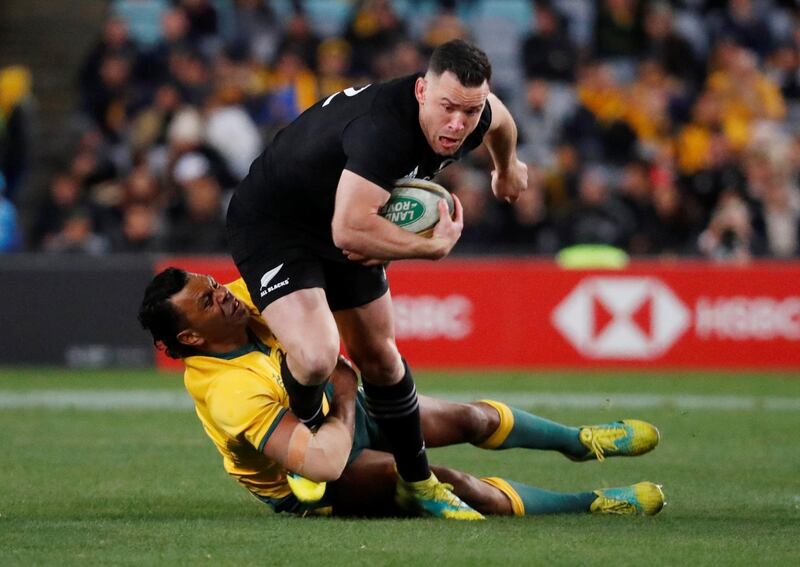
306, 234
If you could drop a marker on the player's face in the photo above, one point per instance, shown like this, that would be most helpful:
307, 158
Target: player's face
209, 309
448, 111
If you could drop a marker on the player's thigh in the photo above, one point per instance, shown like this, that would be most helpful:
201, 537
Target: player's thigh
449, 423
305, 326
368, 335
366, 487
286, 282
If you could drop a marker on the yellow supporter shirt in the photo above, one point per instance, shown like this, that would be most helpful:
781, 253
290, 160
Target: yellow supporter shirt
240, 399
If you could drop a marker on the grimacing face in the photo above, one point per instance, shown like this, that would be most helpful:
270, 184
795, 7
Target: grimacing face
211, 312
448, 111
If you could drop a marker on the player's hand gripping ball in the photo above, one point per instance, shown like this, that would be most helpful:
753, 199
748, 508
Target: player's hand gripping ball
414, 205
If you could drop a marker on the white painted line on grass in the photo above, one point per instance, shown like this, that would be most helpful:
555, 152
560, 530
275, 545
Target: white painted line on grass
101, 400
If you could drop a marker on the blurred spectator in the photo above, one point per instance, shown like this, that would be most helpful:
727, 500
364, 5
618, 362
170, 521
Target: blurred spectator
728, 236
291, 88
548, 52
745, 93
114, 41
203, 23
65, 195
635, 196
599, 129
202, 226
231, 132
333, 66
668, 230
741, 22
598, 217
663, 44
542, 120
482, 221
10, 238
142, 17
109, 102
139, 231
77, 236
531, 231
256, 30
781, 217
648, 106
373, 29
189, 154
443, 27
150, 126
156, 64
560, 183
299, 39
16, 117
619, 32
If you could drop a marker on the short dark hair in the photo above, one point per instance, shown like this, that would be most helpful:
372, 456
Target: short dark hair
464, 60
158, 315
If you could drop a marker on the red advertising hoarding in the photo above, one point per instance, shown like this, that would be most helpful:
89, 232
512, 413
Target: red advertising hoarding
532, 314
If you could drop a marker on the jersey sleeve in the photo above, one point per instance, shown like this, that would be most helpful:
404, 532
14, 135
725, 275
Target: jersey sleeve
376, 151
245, 407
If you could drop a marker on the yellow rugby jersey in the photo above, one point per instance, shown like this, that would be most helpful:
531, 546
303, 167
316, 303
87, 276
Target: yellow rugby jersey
240, 399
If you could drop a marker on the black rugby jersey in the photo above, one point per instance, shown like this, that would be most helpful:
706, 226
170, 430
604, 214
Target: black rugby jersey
372, 131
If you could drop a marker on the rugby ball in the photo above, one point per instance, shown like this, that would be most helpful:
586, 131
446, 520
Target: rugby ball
414, 205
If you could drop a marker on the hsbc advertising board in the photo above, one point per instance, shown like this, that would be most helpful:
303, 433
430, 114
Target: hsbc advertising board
532, 314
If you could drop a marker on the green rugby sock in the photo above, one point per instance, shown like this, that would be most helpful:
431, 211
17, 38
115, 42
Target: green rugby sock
534, 432
539, 501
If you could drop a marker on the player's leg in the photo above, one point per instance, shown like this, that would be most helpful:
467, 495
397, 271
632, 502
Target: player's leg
306, 329
491, 424
391, 396
494, 425
363, 310
518, 428
286, 283
366, 488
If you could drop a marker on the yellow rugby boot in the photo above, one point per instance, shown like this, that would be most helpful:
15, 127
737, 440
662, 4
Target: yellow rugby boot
625, 438
433, 498
641, 498
306, 491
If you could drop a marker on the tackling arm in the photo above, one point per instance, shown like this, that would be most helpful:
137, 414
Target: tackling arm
322, 455
510, 175
363, 234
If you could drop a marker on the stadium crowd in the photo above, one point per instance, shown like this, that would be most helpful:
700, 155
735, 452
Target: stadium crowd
662, 128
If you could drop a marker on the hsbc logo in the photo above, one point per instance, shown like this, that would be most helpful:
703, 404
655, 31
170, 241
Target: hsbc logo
621, 317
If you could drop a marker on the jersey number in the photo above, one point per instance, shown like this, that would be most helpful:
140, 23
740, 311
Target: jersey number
350, 91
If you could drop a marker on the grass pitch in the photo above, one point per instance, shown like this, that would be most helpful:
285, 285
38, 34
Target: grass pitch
116, 486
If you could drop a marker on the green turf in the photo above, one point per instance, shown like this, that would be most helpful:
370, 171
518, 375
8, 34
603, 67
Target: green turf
147, 487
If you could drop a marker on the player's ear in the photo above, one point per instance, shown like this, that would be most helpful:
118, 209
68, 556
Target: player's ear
419, 89
190, 338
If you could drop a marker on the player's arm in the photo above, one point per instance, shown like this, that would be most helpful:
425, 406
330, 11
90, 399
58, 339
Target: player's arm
322, 455
362, 233
510, 175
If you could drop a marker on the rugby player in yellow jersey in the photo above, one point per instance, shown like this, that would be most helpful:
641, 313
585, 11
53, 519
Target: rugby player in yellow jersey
233, 374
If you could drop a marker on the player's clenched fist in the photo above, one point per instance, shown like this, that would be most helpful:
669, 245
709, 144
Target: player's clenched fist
508, 185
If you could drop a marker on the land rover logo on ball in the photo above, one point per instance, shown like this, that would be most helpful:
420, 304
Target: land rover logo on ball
621, 317
403, 211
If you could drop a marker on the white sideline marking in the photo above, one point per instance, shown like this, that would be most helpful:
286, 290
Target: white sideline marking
102, 400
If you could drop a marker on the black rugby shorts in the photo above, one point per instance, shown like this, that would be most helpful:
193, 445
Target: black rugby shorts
275, 260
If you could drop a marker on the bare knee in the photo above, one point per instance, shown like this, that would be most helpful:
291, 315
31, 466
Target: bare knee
313, 363
379, 365
481, 420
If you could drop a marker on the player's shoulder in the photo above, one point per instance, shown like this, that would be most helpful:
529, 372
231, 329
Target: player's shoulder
395, 100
